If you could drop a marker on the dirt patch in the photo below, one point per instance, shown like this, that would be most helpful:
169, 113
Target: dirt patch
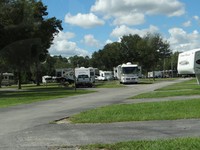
63, 121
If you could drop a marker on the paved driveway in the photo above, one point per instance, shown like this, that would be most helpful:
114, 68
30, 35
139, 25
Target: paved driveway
28, 126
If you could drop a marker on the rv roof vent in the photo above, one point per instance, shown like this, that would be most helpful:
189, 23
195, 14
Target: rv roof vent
128, 63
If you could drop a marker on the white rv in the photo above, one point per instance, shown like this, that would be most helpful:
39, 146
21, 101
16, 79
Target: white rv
85, 76
189, 63
7, 79
67, 73
127, 73
105, 75
155, 74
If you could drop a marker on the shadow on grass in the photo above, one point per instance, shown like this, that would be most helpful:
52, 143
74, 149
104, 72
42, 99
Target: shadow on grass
29, 95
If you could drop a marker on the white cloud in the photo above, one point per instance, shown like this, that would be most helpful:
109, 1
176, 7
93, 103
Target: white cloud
196, 18
108, 41
84, 20
124, 30
130, 19
91, 41
62, 46
180, 40
132, 12
65, 35
187, 24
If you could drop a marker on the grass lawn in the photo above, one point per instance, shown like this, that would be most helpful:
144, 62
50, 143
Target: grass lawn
168, 110
108, 84
169, 144
30, 94
188, 87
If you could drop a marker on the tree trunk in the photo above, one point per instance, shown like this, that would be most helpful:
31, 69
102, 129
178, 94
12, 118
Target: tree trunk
19, 79
1, 77
37, 74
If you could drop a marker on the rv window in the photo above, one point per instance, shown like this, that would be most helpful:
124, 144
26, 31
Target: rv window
129, 70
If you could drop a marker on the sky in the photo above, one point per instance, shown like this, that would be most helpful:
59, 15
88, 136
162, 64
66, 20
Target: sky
88, 25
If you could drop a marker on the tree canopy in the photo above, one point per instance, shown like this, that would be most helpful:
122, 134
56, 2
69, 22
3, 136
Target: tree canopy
26, 33
147, 51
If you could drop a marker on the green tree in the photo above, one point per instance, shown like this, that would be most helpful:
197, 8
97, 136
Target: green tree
129, 48
153, 51
79, 61
26, 32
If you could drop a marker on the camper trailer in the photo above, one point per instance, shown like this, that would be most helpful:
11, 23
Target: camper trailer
155, 74
65, 75
105, 75
7, 79
189, 63
85, 76
127, 73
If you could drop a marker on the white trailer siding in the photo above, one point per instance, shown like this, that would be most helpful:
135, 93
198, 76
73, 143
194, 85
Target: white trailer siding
65, 72
86, 71
189, 63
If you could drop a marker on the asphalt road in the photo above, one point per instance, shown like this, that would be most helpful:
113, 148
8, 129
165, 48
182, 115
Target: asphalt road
28, 126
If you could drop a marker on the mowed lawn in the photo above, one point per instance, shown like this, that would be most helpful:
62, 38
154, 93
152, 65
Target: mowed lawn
29, 94
168, 144
188, 88
168, 110
149, 111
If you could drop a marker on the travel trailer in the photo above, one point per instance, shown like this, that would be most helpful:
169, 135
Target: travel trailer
48, 79
67, 73
189, 63
155, 74
7, 79
85, 76
127, 73
105, 75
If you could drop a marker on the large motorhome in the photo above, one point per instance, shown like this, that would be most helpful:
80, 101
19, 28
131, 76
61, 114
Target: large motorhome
127, 73
189, 63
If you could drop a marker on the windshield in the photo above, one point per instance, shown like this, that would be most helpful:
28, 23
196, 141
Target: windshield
129, 70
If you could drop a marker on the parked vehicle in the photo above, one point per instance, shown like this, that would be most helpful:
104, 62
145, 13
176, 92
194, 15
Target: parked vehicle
7, 79
189, 63
155, 74
83, 80
105, 75
67, 73
127, 73
85, 76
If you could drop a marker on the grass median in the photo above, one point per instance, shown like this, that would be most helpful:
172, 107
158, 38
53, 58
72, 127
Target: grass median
169, 144
30, 94
188, 88
168, 110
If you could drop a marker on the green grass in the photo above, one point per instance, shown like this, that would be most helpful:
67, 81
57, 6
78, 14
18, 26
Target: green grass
169, 110
30, 94
188, 87
108, 84
169, 144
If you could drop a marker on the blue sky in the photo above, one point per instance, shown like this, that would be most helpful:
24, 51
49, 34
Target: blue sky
90, 24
